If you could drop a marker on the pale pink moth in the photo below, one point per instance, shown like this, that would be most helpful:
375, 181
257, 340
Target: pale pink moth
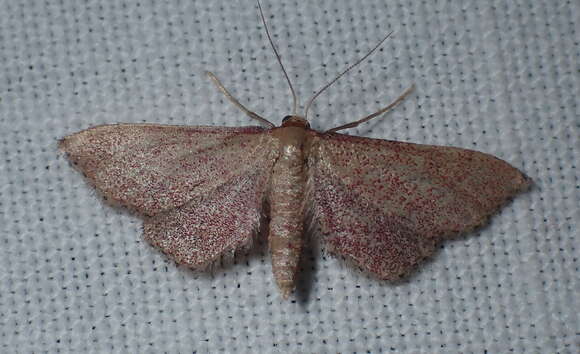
204, 191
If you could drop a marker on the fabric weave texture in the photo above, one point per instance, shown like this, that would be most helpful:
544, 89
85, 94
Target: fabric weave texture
501, 77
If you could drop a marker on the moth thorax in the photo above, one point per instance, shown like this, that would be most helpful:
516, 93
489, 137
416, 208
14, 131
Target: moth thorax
295, 121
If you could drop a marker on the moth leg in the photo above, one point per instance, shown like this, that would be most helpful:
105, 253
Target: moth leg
377, 113
237, 103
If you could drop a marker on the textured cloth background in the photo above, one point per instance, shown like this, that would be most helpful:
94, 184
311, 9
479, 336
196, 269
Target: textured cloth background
502, 77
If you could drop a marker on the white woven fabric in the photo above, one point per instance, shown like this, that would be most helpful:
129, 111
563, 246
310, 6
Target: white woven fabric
501, 77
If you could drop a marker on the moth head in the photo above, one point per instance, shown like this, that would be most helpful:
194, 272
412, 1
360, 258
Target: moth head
295, 121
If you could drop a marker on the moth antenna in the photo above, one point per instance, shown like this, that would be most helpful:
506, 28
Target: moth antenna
344, 72
294, 98
377, 113
236, 103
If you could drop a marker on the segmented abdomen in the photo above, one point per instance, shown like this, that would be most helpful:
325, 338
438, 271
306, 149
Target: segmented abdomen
287, 214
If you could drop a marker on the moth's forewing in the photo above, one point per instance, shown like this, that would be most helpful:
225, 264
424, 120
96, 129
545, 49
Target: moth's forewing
384, 204
200, 189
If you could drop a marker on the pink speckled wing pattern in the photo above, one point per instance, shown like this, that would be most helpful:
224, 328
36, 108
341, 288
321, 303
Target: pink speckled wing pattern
384, 204
210, 227
152, 168
200, 190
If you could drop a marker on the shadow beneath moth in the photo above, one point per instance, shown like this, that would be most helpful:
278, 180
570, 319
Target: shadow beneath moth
202, 191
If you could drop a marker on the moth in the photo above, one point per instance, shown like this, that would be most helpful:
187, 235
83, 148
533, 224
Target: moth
203, 191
